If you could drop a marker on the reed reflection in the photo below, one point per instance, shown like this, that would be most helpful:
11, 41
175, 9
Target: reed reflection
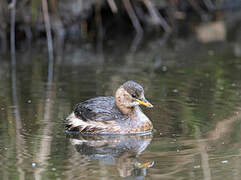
120, 151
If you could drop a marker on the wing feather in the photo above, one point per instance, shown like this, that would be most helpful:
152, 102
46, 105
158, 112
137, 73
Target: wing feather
98, 109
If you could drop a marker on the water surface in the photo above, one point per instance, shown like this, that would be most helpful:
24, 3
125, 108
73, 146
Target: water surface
195, 90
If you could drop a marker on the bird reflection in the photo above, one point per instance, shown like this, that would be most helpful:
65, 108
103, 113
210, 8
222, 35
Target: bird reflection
121, 151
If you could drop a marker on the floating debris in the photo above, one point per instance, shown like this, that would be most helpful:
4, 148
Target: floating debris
196, 167
175, 90
224, 161
53, 169
33, 164
29, 101
164, 68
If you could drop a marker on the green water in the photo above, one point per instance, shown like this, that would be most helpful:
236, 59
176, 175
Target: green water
195, 89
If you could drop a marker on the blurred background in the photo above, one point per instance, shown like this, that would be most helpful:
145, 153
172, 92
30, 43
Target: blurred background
186, 54
107, 22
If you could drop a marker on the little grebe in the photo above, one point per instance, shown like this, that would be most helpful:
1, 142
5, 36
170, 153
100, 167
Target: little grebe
112, 115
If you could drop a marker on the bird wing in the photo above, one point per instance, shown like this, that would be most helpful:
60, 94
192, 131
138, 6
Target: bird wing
98, 109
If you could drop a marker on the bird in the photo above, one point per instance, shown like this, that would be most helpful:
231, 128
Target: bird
120, 114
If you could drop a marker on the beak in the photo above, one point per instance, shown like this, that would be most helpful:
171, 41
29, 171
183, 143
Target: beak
144, 102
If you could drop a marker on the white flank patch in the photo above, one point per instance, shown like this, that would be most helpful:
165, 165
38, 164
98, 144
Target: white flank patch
75, 122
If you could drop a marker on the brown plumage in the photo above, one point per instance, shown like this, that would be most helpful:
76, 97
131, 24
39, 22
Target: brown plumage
112, 115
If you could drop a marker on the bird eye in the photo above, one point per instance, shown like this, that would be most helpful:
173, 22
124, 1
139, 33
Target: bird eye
133, 95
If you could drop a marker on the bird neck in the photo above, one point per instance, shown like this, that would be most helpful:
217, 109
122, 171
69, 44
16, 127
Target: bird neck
121, 101
130, 111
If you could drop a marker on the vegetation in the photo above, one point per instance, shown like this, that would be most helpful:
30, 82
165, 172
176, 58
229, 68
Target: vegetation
96, 20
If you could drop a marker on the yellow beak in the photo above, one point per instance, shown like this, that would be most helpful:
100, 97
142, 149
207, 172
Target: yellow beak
144, 102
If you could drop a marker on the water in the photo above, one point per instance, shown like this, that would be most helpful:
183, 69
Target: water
195, 90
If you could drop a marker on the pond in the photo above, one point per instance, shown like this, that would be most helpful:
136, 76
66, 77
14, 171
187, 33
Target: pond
195, 89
